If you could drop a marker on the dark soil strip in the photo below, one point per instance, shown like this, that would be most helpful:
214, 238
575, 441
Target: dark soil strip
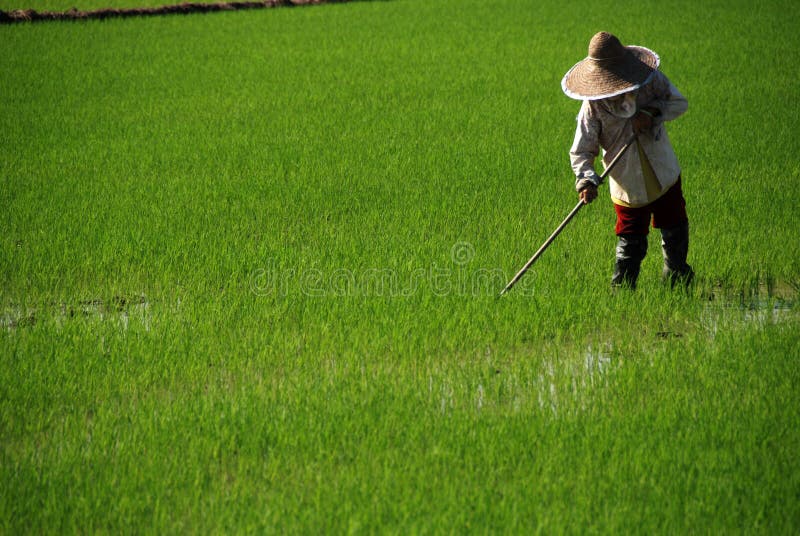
31, 15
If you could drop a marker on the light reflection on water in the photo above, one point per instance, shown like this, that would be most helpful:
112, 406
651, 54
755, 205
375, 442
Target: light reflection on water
741, 311
120, 309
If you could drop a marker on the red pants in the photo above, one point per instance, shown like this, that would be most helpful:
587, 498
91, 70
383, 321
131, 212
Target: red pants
666, 211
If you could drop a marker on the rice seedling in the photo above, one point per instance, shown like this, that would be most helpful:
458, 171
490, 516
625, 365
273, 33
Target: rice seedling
250, 265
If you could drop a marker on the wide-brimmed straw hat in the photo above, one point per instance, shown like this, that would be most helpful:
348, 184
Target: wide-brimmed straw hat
610, 69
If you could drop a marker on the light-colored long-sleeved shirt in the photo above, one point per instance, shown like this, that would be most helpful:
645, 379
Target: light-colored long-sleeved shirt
599, 128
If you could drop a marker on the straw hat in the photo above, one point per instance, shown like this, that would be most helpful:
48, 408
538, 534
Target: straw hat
610, 69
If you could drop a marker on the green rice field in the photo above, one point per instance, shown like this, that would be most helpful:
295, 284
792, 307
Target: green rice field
250, 265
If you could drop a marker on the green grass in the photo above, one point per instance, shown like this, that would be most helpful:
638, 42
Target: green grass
230, 302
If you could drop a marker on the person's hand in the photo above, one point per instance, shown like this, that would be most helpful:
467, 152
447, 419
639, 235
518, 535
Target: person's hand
587, 189
588, 194
642, 122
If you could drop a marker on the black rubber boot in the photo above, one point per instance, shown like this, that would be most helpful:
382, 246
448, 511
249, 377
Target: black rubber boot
631, 249
675, 245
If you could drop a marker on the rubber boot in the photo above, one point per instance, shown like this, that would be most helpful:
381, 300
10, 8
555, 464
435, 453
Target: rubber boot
675, 245
631, 249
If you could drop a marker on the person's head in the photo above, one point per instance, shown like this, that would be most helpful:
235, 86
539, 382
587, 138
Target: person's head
623, 105
610, 70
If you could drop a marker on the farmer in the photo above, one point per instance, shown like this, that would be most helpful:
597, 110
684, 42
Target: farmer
623, 95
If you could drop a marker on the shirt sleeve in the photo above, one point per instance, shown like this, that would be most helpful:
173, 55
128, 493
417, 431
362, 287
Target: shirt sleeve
668, 100
586, 145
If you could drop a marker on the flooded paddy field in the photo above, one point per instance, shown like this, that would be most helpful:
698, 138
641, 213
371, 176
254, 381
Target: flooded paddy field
250, 266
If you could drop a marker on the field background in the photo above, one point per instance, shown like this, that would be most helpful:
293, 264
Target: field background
249, 265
